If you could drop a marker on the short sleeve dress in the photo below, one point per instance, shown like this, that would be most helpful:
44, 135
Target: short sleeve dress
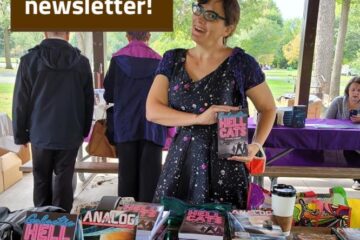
192, 171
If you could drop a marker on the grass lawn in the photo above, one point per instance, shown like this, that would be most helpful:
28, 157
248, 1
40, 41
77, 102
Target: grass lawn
279, 86
6, 93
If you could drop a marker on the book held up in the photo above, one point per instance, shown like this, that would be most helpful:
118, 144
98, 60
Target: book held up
232, 134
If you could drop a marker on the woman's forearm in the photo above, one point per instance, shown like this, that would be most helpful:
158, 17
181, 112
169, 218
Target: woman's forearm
164, 115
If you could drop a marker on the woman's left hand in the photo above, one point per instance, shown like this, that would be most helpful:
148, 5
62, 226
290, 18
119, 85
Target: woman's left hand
252, 150
355, 119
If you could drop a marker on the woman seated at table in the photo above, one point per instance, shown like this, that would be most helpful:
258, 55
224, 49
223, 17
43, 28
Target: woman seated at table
348, 107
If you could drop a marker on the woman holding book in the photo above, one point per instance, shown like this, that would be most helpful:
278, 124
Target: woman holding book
348, 107
191, 86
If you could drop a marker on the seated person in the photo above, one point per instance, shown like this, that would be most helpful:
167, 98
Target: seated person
340, 108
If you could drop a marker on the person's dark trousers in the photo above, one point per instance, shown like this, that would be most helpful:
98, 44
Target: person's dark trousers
353, 159
61, 163
139, 169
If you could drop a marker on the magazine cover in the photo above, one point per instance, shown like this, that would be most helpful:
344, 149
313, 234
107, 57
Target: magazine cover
202, 224
41, 225
258, 222
109, 225
232, 134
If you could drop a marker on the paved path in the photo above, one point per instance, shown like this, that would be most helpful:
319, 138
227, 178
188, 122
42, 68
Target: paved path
7, 77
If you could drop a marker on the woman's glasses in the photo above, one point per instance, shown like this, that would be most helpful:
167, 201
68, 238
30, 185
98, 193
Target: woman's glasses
209, 15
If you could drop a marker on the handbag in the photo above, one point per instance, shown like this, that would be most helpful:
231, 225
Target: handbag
99, 144
257, 165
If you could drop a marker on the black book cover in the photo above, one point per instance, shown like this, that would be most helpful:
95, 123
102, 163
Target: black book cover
232, 134
42, 225
202, 224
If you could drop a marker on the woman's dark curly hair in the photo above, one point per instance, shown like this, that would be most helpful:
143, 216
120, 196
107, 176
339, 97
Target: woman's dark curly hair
355, 79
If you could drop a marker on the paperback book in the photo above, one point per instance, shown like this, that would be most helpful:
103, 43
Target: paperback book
41, 225
347, 233
202, 224
150, 217
106, 225
232, 134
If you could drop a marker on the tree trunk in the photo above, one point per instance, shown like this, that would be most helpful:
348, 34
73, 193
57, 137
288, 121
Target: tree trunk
7, 48
324, 48
339, 52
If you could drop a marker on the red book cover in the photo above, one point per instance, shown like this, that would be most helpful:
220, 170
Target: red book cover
149, 213
202, 224
232, 134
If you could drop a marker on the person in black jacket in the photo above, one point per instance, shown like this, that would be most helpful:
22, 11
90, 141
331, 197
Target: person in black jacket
52, 109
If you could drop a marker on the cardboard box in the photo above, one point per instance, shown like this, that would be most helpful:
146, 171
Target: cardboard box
9, 170
7, 145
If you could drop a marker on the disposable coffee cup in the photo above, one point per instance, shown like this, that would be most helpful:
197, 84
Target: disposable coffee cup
282, 203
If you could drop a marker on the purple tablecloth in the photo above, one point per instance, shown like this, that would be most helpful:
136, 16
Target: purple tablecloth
314, 138
315, 145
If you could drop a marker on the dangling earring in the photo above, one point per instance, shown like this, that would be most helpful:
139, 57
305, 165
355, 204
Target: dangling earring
224, 40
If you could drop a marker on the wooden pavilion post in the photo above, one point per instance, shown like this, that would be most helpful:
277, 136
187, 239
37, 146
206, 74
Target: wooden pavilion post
303, 81
99, 58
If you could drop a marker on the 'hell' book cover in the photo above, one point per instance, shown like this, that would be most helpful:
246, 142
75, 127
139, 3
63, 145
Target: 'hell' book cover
202, 224
232, 134
41, 225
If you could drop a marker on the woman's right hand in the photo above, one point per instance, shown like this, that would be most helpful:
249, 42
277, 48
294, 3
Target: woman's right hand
355, 119
210, 115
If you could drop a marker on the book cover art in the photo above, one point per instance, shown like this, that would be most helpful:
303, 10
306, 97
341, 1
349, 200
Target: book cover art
149, 213
317, 213
41, 225
107, 225
202, 224
257, 223
232, 134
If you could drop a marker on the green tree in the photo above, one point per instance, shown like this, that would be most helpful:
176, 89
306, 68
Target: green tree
23, 41
4, 26
339, 51
291, 28
181, 35
292, 50
261, 41
352, 43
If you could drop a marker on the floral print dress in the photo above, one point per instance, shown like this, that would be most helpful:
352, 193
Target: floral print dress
192, 171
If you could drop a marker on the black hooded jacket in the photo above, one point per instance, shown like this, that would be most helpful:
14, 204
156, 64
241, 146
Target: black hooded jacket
53, 96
